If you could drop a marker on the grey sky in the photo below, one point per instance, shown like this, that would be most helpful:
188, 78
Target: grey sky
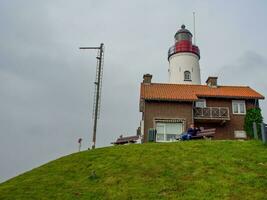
46, 83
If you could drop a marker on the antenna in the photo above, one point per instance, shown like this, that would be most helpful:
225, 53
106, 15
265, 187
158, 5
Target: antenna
98, 86
194, 24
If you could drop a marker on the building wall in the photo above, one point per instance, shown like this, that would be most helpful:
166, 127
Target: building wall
183, 110
236, 122
158, 109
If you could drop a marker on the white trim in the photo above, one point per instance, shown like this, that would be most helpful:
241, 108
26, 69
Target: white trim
142, 127
238, 102
163, 125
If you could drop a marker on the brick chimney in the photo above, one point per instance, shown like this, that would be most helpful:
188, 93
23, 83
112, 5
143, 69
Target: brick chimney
212, 81
147, 78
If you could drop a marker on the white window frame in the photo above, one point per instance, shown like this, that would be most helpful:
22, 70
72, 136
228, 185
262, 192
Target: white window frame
165, 134
238, 102
201, 101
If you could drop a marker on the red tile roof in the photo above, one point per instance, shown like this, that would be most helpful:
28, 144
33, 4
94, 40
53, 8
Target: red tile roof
183, 92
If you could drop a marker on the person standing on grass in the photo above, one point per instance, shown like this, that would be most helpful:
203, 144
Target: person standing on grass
80, 143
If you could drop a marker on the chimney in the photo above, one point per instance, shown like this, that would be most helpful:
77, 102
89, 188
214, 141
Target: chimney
212, 81
147, 78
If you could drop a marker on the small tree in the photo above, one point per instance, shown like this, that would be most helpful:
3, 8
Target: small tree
253, 115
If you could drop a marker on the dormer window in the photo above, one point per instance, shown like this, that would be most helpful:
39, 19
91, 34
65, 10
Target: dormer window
187, 76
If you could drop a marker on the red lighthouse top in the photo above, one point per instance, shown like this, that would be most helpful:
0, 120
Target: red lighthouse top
183, 43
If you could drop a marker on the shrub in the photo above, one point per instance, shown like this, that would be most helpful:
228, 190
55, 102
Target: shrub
253, 115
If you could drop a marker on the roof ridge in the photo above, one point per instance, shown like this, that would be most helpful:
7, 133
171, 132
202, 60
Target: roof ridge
189, 91
175, 84
244, 86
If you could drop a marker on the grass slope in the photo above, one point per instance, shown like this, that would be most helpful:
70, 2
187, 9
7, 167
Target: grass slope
184, 170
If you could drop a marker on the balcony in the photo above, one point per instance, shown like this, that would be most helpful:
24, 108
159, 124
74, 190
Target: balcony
211, 113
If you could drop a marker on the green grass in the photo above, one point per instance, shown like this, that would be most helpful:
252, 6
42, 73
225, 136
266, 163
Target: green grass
183, 170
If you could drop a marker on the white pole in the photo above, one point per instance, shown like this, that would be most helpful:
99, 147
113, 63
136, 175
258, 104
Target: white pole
263, 134
194, 24
80, 145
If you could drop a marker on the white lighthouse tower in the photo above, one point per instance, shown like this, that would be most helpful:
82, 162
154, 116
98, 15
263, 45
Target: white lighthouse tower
184, 59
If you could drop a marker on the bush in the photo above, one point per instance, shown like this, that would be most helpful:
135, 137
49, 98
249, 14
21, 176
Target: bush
253, 115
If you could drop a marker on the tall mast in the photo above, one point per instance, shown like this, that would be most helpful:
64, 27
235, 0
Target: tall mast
98, 86
194, 24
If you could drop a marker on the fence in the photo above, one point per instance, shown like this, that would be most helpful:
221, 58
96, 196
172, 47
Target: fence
263, 132
211, 113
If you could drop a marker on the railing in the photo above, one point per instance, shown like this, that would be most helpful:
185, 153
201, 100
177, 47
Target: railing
183, 48
211, 113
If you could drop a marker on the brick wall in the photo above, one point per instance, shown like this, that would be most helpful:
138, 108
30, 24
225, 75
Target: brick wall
183, 110
158, 109
236, 122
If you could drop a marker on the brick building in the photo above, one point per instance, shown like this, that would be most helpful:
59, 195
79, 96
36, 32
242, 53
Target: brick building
171, 107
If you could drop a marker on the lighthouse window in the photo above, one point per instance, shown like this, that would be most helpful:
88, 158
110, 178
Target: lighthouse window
183, 36
187, 76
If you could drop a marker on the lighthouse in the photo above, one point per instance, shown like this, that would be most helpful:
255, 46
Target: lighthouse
183, 59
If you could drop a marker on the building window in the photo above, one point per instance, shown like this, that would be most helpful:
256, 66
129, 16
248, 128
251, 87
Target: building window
183, 36
167, 132
200, 103
239, 107
187, 76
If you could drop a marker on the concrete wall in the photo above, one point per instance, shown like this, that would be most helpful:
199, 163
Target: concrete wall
181, 62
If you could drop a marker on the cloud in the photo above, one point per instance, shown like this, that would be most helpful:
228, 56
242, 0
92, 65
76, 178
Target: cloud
46, 83
250, 70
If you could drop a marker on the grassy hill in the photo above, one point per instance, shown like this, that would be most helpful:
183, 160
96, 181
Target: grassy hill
183, 170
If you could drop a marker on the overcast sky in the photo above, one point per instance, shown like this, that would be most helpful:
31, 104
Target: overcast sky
46, 82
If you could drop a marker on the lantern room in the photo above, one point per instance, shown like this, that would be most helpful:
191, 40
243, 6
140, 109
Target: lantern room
183, 43
183, 34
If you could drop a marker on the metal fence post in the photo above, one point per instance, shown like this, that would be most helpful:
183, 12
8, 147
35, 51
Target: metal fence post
263, 133
255, 130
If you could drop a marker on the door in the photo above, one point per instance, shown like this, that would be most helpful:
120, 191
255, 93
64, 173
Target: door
167, 132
